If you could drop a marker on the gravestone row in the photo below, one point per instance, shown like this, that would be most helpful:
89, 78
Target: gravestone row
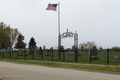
1, 52
108, 53
78, 54
116, 57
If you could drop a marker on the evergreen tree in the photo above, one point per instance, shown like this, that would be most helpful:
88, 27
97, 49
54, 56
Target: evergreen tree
32, 43
20, 43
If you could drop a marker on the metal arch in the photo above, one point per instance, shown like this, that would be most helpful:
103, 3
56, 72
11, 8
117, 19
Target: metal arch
67, 34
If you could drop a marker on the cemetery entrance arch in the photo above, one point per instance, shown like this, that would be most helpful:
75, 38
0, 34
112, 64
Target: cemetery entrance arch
70, 34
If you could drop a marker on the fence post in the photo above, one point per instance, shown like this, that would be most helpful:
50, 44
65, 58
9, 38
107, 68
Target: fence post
52, 55
90, 55
24, 54
17, 54
10, 54
58, 53
33, 54
3, 54
108, 56
63, 55
76, 56
42, 54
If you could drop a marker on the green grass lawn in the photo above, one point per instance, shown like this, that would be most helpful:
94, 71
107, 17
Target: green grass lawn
70, 66
68, 58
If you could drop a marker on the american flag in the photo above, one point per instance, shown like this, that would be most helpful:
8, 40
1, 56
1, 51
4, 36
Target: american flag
51, 7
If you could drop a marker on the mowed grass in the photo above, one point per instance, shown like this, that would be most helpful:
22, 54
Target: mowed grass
85, 58
68, 66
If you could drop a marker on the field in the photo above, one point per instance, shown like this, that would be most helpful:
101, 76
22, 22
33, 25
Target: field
85, 58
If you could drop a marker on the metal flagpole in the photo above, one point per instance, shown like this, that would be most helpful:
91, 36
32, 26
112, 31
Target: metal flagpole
59, 30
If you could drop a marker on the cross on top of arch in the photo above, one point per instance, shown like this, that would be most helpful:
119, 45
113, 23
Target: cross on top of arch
67, 34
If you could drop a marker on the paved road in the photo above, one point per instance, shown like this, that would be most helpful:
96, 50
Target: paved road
14, 71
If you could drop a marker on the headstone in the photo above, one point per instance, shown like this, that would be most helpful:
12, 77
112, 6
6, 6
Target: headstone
94, 54
108, 53
8, 50
43, 47
80, 51
105, 53
79, 54
55, 55
70, 53
20, 52
62, 53
4, 50
40, 51
89, 52
25, 50
31, 50
101, 52
116, 57
13, 51
47, 54
36, 49
1, 52
28, 49
98, 51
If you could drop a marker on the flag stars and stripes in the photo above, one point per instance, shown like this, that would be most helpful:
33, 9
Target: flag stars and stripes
51, 7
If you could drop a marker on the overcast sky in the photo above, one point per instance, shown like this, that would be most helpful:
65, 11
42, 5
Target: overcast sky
94, 20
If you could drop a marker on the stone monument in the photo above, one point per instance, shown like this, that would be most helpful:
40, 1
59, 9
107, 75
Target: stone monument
48, 53
94, 53
20, 52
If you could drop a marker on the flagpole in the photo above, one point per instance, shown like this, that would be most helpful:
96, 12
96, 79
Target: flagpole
59, 30
59, 17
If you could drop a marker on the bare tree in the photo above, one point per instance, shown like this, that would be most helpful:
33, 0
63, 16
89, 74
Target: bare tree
12, 34
87, 45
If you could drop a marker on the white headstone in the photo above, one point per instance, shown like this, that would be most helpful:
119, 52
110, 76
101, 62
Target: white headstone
62, 53
101, 52
108, 53
47, 54
79, 54
89, 52
70, 53
9, 49
20, 53
36, 49
1, 52
116, 57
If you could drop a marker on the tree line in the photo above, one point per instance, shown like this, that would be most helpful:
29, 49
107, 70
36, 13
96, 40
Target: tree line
89, 45
10, 36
